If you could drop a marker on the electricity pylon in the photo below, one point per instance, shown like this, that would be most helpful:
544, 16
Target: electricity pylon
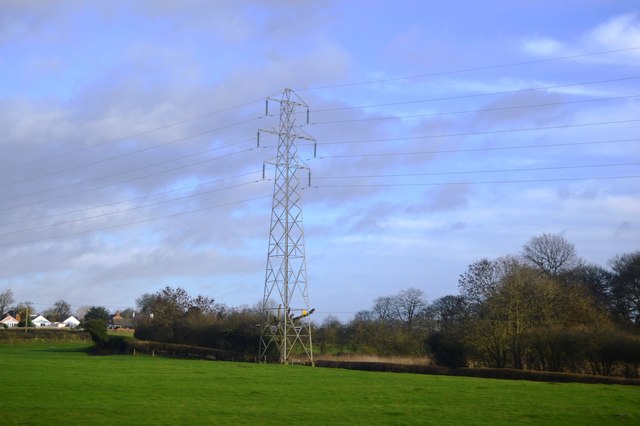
285, 304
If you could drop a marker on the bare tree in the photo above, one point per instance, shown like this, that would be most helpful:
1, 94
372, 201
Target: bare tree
408, 304
145, 303
60, 311
508, 314
82, 311
6, 299
550, 253
483, 278
596, 280
447, 312
402, 308
626, 286
383, 308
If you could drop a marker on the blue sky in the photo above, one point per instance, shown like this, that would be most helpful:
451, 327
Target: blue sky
446, 132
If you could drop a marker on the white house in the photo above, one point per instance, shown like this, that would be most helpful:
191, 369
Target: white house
9, 321
40, 321
71, 322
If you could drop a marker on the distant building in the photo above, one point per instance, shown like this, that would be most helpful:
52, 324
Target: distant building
118, 322
9, 321
40, 321
71, 322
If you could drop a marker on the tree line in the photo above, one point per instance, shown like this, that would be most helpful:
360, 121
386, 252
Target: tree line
543, 309
171, 315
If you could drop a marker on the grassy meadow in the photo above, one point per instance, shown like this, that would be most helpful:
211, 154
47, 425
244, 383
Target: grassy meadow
58, 383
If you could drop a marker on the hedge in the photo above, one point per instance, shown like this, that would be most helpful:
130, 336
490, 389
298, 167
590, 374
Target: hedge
121, 345
10, 335
487, 373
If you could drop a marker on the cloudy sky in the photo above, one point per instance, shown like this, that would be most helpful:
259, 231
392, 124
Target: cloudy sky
446, 132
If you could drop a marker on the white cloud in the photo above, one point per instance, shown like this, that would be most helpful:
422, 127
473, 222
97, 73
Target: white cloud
543, 46
620, 32
617, 33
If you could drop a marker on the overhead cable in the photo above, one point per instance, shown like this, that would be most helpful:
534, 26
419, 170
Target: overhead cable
505, 108
137, 222
499, 148
476, 182
133, 135
71, 221
149, 148
475, 95
472, 69
488, 132
459, 172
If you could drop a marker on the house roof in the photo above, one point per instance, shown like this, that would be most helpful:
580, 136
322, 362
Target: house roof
8, 319
72, 320
40, 318
124, 322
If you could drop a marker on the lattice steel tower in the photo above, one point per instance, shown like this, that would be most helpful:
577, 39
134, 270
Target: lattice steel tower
285, 304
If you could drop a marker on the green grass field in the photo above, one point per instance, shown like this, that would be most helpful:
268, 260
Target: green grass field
48, 383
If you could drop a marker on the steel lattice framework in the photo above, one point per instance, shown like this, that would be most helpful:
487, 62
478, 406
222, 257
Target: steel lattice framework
285, 304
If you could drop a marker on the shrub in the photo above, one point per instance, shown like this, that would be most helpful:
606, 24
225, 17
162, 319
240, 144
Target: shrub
555, 349
97, 313
98, 331
609, 350
447, 350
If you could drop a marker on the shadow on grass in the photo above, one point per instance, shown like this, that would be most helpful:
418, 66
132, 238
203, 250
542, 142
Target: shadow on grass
64, 349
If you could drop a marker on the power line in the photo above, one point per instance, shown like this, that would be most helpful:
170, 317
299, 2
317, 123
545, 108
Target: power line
475, 95
141, 168
379, 118
113, 184
477, 149
488, 132
105, 228
104, 160
128, 210
132, 135
506, 108
465, 70
531, 169
253, 101
340, 156
66, 213
475, 182
430, 136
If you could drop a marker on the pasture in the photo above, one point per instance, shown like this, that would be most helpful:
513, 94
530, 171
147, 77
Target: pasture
58, 383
